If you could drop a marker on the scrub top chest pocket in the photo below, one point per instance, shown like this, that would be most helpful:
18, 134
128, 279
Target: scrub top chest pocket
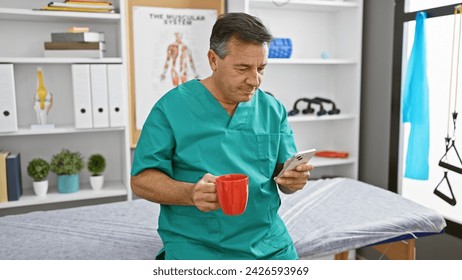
268, 151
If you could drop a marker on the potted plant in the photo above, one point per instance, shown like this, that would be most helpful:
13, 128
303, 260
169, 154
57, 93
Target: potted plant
38, 170
67, 165
96, 164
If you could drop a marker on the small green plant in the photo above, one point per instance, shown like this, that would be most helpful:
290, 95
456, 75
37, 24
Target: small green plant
38, 169
67, 163
96, 164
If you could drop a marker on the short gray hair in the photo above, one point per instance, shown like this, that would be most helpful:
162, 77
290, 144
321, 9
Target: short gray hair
242, 26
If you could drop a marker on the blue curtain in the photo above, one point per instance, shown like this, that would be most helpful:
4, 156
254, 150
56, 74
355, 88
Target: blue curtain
416, 106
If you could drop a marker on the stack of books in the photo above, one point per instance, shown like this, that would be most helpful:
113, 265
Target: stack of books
91, 6
83, 43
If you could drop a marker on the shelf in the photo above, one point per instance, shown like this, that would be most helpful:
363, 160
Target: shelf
110, 189
313, 5
56, 16
310, 61
324, 162
314, 118
25, 27
58, 130
63, 60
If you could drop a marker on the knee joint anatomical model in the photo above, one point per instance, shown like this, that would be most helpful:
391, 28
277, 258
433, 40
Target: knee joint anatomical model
43, 100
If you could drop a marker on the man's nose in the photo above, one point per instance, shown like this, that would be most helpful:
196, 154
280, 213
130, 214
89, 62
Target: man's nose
253, 78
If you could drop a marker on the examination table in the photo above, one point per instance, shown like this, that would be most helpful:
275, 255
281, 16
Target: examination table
328, 217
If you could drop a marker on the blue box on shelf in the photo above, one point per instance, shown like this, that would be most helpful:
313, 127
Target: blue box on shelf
280, 48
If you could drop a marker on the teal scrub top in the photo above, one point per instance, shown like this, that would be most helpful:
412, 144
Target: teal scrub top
188, 134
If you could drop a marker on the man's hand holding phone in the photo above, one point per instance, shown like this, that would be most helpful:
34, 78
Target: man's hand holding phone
295, 172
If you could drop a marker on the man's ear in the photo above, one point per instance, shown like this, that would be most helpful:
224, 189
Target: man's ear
213, 60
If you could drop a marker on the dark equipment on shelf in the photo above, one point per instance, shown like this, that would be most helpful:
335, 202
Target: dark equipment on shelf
334, 110
321, 111
295, 110
310, 110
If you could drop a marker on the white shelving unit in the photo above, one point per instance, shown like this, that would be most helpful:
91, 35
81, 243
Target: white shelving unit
24, 29
56, 60
316, 27
85, 192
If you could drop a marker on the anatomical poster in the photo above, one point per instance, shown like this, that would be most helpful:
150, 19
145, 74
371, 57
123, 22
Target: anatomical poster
170, 47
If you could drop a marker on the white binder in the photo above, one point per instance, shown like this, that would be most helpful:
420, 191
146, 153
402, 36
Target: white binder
82, 95
99, 95
116, 103
8, 115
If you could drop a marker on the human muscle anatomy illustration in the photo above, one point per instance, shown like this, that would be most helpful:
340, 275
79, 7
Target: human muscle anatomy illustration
178, 50
43, 100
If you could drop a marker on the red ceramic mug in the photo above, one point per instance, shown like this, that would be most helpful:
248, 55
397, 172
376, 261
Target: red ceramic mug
233, 191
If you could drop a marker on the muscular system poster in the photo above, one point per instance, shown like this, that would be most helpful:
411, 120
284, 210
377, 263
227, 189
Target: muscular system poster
170, 48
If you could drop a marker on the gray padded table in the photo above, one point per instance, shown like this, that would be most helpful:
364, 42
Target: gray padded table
327, 217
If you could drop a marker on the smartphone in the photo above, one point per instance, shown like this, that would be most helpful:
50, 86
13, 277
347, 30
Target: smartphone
298, 158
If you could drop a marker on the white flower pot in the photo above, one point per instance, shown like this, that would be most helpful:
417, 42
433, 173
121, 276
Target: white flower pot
40, 188
97, 182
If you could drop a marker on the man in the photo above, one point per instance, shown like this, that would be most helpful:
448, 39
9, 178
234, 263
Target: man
222, 124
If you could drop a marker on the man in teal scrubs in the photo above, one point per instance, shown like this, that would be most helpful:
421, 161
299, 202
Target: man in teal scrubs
220, 125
